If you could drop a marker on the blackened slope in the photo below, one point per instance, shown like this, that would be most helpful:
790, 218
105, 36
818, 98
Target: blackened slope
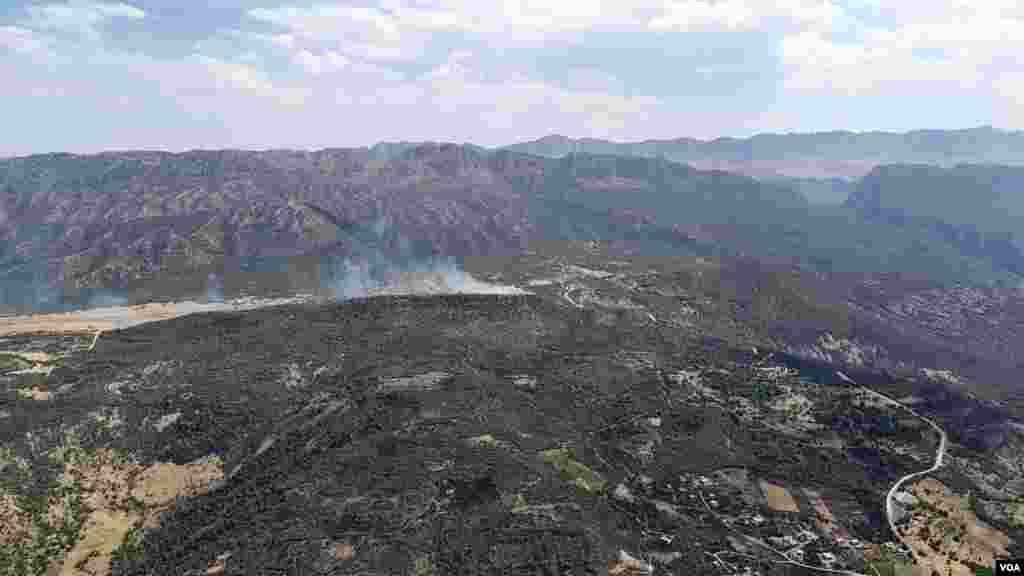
365, 453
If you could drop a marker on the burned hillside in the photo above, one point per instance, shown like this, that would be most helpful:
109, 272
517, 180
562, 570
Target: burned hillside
466, 434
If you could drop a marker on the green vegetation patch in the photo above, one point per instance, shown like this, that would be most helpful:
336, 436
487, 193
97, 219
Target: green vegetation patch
890, 565
131, 548
1016, 514
892, 568
519, 504
12, 362
484, 441
49, 536
573, 471
423, 567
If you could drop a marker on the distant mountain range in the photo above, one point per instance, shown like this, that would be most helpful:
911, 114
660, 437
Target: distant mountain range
838, 154
71, 225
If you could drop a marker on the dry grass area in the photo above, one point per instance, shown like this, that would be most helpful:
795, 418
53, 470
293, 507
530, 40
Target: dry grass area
778, 498
124, 496
944, 533
117, 497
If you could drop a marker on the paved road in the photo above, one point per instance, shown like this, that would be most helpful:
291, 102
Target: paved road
940, 453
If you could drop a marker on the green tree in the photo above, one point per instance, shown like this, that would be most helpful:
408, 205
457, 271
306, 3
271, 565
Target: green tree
760, 393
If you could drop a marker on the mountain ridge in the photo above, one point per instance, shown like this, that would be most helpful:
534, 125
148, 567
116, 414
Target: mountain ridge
840, 153
100, 220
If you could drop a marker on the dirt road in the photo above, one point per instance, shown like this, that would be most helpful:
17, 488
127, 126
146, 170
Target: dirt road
940, 453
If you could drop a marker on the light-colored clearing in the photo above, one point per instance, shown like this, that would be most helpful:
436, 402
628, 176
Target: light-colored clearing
778, 498
344, 551
93, 320
108, 485
16, 526
86, 321
104, 531
978, 542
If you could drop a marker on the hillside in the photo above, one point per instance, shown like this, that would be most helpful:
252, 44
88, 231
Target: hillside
596, 427
75, 224
978, 208
144, 225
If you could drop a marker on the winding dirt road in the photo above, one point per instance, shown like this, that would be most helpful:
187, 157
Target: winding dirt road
940, 453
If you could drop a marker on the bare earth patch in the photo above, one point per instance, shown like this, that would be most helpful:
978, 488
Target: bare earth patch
16, 526
37, 394
86, 321
344, 551
160, 484
95, 320
944, 533
120, 496
778, 498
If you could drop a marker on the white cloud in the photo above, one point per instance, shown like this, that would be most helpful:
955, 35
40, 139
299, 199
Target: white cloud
738, 15
427, 17
588, 79
23, 40
119, 10
78, 17
318, 64
362, 32
926, 48
816, 14
327, 74
282, 40
516, 16
691, 15
400, 29
309, 61
232, 78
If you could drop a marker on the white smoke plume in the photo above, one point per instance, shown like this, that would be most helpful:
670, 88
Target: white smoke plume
402, 271
105, 298
214, 288
361, 278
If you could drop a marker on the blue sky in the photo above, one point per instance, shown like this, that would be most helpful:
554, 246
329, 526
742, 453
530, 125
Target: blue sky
83, 76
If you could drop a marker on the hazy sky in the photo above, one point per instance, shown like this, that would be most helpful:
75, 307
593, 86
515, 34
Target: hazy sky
84, 76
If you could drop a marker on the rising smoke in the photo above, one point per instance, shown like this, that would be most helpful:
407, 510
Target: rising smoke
214, 288
380, 261
363, 277
405, 268
101, 298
